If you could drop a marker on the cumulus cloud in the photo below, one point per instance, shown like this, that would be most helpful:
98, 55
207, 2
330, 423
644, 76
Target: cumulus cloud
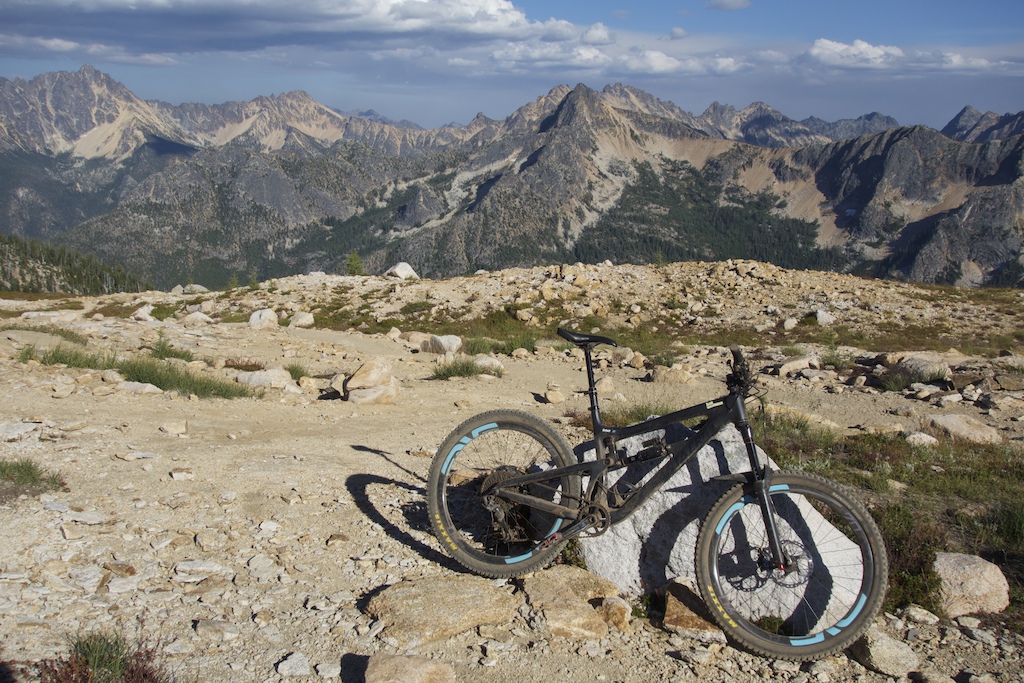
598, 34
954, 61
677, 33
859, 55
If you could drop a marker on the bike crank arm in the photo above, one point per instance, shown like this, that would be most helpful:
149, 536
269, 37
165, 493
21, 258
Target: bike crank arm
572, 531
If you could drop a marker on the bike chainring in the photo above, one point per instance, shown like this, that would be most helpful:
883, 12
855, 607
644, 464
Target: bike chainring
598, 517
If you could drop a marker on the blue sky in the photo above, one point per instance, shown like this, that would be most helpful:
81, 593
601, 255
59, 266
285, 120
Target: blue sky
437, 61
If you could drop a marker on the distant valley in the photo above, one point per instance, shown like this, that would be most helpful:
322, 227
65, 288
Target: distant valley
283, 185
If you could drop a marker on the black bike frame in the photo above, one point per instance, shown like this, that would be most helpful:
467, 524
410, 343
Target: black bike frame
718, 413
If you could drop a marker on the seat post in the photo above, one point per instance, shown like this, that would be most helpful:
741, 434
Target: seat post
595, 409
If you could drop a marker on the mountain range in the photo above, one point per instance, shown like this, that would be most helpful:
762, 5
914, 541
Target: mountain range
284, 184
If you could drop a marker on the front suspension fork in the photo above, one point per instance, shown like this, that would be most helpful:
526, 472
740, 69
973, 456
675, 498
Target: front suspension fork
762, 484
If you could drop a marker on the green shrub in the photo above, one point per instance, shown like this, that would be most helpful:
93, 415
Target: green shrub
297, 371
26, 473
912, 537
162, 350
460, 367
105, 657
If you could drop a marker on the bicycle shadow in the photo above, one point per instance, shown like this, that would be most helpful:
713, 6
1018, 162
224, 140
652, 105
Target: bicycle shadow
414, 512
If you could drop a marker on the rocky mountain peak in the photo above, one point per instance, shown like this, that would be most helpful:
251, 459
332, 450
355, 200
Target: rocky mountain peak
86, 113
973, 125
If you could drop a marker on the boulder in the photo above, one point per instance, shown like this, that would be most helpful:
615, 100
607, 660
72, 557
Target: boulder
965, 428
385, 668
563, 594
449, 343
489, 364
656, 544
372, 383
277, 378
823, 317
402, 271
673, 375
384, 394
262, 319
970, 584
301, 319
929, 366
197, 319
438, 607
144, 314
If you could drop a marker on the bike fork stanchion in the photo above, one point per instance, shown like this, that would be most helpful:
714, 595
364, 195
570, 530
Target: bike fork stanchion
762, 477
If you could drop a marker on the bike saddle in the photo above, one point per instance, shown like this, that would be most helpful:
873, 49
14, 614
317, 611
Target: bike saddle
584, 340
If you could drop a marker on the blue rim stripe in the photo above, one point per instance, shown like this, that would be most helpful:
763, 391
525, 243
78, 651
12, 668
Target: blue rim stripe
854, 612
809, 640
463, 442
736, 507
513, 560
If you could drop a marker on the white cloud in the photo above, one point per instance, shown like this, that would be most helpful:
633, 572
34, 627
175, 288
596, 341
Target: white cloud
677, 33
726, 65
952, 60
653, 62
729, 4
859, 55
598, 34
520, 56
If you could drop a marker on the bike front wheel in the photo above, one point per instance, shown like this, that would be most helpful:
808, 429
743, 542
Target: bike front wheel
829, 592
486, 533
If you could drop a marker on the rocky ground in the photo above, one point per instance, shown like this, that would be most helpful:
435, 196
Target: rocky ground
249, 536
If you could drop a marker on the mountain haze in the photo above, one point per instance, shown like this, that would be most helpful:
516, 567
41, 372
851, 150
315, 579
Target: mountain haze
283, 184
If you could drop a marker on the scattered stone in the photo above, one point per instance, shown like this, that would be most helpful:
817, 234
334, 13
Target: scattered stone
970, 584
880, 652
682, 614
175, 428
295, 664
328, 669
216, 630
617, 612
919, 615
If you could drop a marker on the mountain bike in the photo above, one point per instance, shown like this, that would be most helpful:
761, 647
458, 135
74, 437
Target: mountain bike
789, 564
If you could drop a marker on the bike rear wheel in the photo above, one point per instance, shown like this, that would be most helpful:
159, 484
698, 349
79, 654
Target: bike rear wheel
834, 586
486, 533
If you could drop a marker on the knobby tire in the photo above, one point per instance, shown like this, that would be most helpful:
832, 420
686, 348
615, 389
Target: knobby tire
835, 587
490, 535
